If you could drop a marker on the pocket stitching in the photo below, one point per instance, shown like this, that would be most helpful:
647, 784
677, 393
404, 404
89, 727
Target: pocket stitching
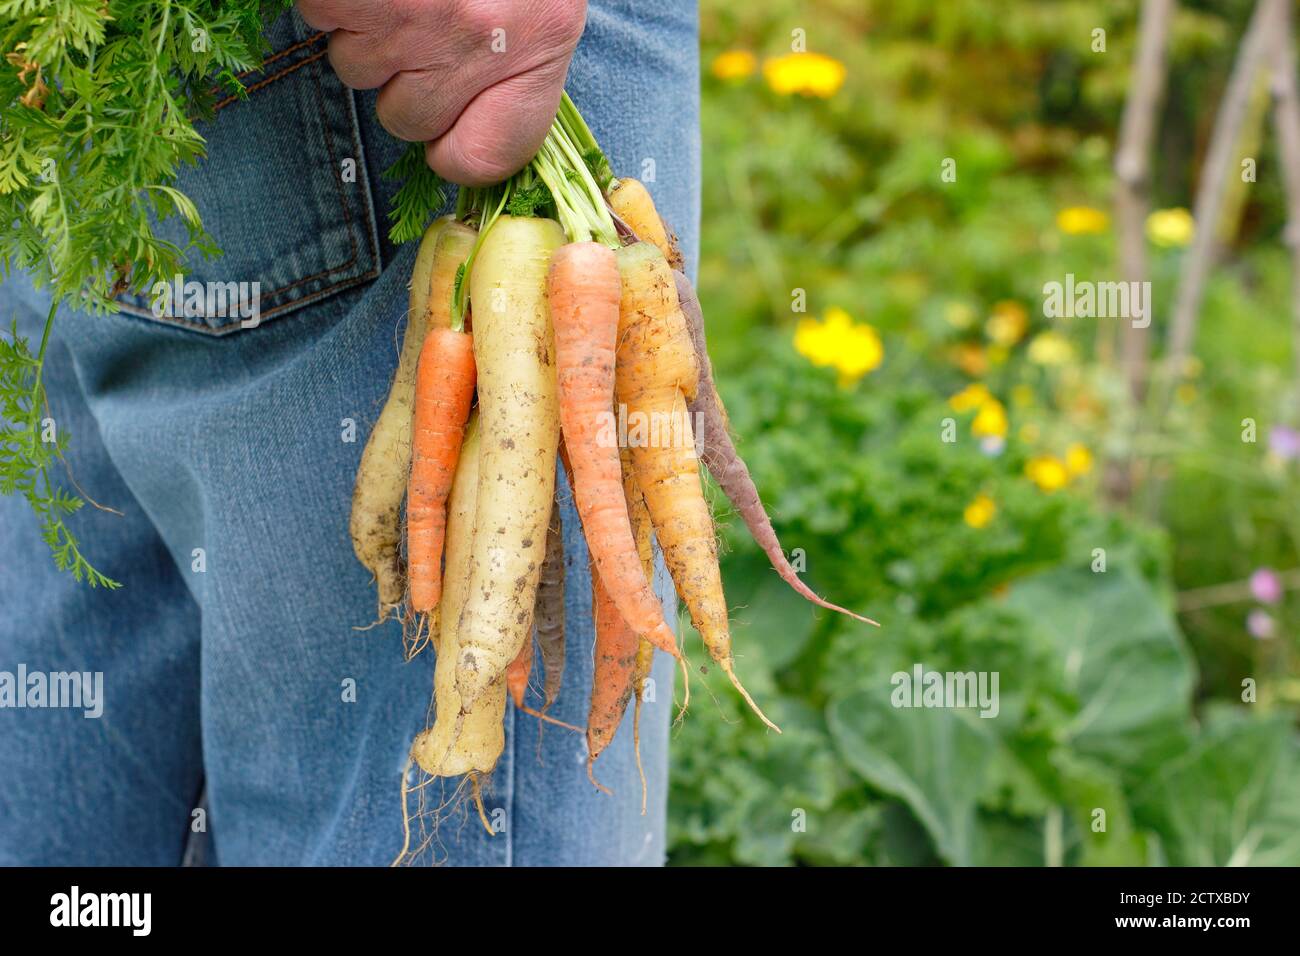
339, 285
235, 98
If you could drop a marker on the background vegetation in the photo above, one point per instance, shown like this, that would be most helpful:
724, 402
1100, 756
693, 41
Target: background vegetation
1162, 691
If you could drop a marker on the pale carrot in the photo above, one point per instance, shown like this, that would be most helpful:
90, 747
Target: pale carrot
375, 522
520, 421
461, 740
642, 532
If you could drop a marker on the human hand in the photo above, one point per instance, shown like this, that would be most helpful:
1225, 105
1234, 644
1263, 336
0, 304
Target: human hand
479, 81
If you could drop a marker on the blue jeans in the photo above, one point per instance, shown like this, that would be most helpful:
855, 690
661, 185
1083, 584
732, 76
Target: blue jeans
245, 720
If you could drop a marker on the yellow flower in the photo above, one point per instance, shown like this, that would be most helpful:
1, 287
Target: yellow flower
1171, 228
1081, 221
1078, 460
1022, 396
971, 358
1008, 323
959, 315
734, 65
1050, 348
805, 74
853, 349
1185, 393
1047, 472
990, 420
980, 511
972, 396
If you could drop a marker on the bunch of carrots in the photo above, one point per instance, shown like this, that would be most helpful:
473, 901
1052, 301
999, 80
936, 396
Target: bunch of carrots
545, 310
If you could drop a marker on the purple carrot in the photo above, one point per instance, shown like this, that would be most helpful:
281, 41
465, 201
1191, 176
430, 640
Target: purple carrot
549, 612
724, 462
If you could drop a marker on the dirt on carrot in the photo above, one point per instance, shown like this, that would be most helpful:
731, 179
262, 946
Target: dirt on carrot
520, 423
657, 374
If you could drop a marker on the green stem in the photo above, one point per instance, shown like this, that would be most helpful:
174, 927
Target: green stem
490, 215
579, 202
40, 369
581, 134
550, 168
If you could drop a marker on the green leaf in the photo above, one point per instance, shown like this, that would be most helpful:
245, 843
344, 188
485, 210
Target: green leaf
1229, 800
776, 620
422, 194
1120, 657
932, 759
1108, 838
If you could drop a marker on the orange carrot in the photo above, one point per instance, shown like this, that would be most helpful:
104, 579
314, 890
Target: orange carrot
657, 374
517, 675
375, 523
443, 392
584, 291
630, 201
613, 666
724, 461
549, 615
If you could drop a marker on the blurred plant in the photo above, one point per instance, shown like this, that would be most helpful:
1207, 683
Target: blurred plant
853, 349
734, 65
980, 511
804, 74
1170, 228
965, 161
1082, 221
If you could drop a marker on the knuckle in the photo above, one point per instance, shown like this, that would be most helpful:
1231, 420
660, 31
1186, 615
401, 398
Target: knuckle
471, 158
396, 115
564, 20
348, 59
478, 18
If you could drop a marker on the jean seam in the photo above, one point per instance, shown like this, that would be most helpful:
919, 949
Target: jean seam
510, 787
267, 81
178, 322
372, 218
260, 84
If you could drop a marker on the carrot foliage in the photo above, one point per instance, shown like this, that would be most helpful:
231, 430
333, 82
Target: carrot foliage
98, 105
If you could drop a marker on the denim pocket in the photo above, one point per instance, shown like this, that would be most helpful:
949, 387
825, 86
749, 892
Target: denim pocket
283, 191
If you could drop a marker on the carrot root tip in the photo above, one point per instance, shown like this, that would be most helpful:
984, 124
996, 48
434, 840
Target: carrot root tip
636, 747
591, 775
729, 669
478, 805
686, 689
547, 718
